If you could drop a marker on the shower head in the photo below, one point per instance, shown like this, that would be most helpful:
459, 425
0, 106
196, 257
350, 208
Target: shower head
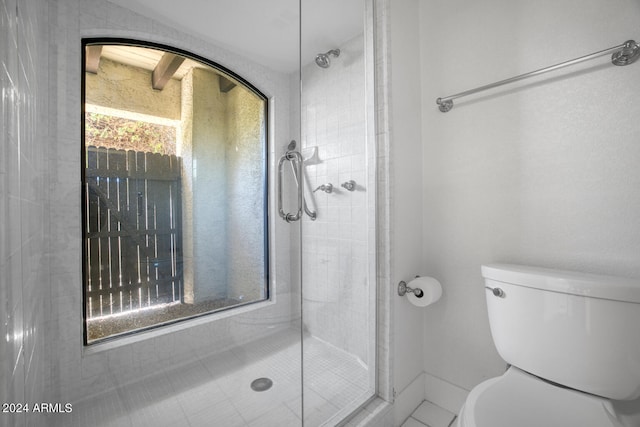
323, 60
292, 145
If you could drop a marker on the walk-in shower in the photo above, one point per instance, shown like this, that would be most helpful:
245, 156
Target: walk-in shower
298, 352
324, 59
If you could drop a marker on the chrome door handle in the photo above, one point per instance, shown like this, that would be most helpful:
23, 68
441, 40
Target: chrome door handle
296, 159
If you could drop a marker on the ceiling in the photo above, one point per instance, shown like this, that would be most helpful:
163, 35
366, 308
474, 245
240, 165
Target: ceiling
267, 31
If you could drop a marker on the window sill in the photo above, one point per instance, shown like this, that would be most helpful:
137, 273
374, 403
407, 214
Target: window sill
160, 331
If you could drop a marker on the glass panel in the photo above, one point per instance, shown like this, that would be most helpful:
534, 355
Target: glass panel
338, 292
175, 189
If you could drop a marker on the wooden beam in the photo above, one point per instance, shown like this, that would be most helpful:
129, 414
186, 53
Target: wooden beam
165, 69
92, 56
225, 84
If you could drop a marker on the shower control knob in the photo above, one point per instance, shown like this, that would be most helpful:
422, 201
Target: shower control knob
349, 185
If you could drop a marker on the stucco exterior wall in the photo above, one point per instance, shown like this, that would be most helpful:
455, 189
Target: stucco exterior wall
245, 195
128, 88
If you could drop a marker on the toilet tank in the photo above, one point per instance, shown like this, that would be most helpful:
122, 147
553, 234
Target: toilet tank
579, 330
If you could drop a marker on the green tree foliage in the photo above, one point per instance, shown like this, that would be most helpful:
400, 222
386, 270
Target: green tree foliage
124, 134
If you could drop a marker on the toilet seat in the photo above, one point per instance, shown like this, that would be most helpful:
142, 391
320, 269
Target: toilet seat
523, 400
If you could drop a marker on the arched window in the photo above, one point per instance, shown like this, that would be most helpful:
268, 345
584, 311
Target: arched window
174, 188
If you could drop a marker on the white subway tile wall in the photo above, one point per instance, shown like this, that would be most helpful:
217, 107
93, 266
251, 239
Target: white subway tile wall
24, 201
335, 252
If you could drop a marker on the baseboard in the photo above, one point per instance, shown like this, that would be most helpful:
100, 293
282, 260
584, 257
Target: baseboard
444, 394
407, 400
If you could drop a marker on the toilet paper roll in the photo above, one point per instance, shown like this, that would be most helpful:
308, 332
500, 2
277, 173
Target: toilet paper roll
431, 291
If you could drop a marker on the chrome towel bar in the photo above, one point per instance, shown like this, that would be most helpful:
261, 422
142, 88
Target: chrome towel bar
623, 54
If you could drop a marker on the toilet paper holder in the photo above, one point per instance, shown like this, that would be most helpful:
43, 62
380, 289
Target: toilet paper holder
403, 289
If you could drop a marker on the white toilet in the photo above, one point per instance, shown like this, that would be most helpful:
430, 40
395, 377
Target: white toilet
573, 343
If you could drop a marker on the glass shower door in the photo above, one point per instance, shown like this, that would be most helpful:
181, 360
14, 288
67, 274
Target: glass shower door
338, 246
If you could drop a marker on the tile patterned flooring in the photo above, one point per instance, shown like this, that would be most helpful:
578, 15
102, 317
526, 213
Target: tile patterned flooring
430, 415
215, 391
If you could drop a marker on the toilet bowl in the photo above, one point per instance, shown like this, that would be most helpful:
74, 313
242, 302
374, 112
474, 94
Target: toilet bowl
573, 343
519, 399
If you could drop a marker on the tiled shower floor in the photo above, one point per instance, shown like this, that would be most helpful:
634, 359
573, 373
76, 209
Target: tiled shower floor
216, 391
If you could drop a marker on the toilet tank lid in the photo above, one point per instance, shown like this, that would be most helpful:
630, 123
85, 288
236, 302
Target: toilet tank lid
567, 282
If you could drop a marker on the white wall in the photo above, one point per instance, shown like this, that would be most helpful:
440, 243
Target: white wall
543, 172
406, 204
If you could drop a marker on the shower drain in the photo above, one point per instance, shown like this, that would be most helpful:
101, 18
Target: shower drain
261, 384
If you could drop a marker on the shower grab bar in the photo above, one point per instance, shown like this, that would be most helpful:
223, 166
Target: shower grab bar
623, 54
311, 214
296, 159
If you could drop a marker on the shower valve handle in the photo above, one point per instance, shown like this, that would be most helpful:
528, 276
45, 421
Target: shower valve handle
349, 185
327, 188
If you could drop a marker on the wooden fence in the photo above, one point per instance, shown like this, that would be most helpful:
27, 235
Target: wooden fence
132, 231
